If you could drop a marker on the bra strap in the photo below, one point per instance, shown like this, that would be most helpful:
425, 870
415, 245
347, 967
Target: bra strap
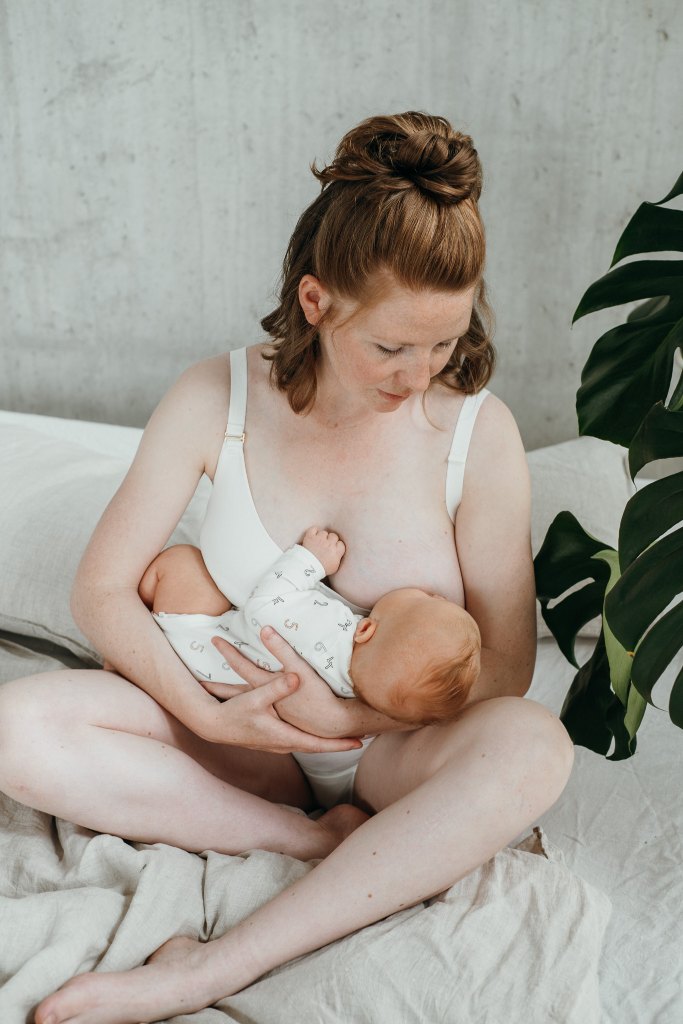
237, 410
457, 457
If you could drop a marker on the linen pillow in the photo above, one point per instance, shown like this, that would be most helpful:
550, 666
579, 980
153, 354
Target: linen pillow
53, 494
588, 477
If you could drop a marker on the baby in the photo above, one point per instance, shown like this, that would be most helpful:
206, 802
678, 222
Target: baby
414, 657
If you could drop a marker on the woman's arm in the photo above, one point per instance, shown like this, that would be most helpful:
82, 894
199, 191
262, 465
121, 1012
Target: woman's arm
182, 437
493, 541
313, 706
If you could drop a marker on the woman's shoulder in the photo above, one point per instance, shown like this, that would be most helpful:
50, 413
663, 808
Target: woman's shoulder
197, 404
493, 415
496, 451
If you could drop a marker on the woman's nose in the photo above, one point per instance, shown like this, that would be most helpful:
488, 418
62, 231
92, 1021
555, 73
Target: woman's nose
417, 376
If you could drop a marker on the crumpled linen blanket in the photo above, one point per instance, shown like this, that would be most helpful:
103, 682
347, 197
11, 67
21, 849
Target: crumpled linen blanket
518, 940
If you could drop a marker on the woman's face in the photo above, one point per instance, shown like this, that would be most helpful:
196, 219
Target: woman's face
392, 350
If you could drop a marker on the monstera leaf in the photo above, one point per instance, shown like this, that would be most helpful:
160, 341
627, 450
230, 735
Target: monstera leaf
637, 589
630, 367
574, 571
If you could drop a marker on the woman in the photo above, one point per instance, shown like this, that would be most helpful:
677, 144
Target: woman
379, 345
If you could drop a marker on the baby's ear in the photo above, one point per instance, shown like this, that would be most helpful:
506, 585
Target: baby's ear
364, 631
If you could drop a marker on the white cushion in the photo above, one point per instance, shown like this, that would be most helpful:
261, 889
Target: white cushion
53, 494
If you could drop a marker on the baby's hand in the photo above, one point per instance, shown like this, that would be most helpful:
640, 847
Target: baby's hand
327, 548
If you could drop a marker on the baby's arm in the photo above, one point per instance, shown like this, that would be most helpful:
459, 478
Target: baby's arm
296, 573
178, 582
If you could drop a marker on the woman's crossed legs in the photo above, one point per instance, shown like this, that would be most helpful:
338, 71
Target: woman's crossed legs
448, 798
114, 761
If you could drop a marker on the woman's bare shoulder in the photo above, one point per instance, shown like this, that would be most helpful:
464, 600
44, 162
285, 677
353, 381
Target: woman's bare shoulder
208, 379
198, 403
496, 454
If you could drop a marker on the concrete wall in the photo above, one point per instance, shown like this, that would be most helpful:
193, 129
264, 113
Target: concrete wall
154, 158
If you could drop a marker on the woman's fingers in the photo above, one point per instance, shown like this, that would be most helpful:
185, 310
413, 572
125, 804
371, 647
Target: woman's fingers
281, 649
246, 669
224, 690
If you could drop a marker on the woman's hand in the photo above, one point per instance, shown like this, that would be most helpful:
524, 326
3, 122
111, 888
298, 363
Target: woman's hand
312, 707
249, 719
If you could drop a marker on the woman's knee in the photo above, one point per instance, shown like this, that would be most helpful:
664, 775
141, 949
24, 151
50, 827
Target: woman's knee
531, 739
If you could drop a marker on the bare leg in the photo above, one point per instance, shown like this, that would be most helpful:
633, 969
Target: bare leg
117, 761
178, 581
449, 798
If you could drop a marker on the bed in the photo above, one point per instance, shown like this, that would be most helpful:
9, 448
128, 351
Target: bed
577, 921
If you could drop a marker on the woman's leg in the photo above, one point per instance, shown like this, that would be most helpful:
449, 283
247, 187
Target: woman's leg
113, 760
448, 797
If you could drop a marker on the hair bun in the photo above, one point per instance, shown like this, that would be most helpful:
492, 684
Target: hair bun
401, 151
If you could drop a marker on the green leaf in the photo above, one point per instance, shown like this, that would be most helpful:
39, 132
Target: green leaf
649, 513
659, 436
629, 368
566, 619
649, 308
592, 714
676, 400
656, 651
651, 229
641, 279
635, 709
676, 701
619, 660
677, 190
565, 561
645, 589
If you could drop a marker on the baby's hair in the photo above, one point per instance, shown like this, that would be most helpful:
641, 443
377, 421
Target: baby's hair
398, 202
440, 693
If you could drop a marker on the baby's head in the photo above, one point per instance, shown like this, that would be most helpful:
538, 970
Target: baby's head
416, 656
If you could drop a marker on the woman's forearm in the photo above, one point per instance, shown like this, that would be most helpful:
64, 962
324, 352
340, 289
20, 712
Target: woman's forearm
501, 677
350, 717
122, 629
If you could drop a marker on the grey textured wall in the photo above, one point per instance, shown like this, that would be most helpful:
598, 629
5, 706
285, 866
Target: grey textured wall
154, 158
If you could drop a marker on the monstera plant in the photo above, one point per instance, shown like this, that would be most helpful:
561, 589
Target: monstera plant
632, 394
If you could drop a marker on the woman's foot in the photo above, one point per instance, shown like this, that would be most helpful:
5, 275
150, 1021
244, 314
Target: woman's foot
180, 977
173, 981
335, 826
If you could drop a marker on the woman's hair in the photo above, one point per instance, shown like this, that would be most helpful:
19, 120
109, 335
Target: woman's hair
399, 201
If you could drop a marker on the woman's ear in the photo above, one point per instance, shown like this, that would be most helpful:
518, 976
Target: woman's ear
313, 297
364, 631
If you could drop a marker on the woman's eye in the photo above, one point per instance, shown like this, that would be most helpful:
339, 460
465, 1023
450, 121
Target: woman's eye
388, 351
444, 344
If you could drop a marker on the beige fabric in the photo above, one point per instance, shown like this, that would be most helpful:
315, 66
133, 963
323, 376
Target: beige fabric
519, 939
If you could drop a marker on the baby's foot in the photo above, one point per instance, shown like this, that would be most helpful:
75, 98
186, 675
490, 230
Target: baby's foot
326, 546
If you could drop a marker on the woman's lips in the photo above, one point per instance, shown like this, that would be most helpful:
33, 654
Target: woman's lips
395, 398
